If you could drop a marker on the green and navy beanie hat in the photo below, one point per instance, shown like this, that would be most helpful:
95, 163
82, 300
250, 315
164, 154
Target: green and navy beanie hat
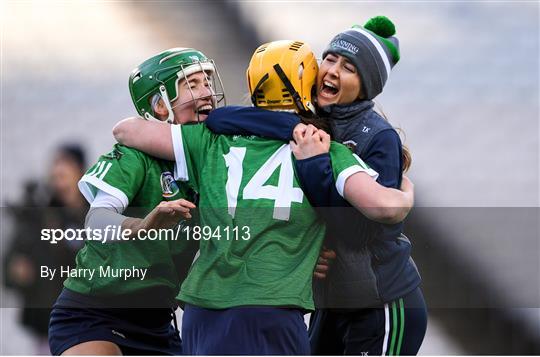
373, 49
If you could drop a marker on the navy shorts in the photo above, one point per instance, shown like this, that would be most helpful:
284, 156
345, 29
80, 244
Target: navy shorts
244, 331
136, 331
397, 328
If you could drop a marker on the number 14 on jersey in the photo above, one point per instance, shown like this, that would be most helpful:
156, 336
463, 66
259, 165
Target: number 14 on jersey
283, 194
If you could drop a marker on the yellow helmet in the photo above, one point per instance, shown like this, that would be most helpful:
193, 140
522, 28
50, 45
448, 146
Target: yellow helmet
281, 75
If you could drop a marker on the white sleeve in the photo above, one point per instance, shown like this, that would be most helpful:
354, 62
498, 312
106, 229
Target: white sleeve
105, 210
92, 183
180, 164
348, 172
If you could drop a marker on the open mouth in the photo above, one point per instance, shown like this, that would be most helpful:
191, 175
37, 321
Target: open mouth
205, 109
329, 89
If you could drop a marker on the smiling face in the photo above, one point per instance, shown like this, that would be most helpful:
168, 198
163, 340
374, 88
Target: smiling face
195, 99
338, 81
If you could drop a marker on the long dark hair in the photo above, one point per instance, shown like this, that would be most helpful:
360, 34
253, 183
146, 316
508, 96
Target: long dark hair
406, 155
316, 121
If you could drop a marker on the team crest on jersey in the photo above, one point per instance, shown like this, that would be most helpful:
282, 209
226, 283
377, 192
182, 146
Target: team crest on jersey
350, 144
114, 154
169, 187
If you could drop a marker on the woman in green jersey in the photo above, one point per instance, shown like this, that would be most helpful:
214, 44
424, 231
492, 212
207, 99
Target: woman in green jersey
120, 296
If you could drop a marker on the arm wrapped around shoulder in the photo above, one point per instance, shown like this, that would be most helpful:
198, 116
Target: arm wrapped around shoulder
379, 203
151, 137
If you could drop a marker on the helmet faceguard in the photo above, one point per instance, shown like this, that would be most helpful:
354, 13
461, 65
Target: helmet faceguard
281, 75
161, 74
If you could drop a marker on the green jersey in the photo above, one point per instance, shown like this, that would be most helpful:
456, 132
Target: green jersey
140, 182
260, 237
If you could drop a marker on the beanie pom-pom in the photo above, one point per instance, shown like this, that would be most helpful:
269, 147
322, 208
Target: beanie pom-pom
381, 25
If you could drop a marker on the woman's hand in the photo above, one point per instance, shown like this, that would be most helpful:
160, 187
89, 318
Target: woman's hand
323, 264
309, 141
165, 215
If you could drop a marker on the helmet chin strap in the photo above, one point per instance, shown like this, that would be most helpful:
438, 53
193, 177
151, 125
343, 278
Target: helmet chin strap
165, 97
149, 117
163, 91
311, 107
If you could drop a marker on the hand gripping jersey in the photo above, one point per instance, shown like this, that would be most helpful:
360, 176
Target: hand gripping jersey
140, 182
262, 237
